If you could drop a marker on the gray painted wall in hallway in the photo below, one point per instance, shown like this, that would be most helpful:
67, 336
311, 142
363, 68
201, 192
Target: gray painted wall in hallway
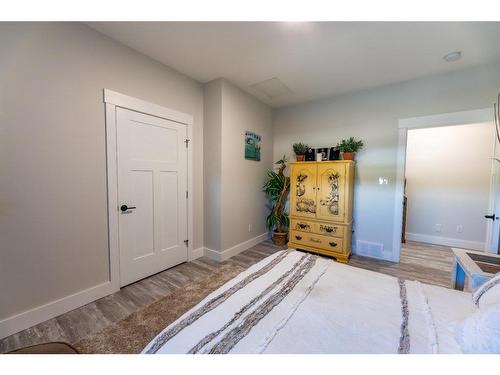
233, 185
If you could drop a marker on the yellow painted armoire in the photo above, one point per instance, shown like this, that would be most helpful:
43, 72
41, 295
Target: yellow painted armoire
321, 207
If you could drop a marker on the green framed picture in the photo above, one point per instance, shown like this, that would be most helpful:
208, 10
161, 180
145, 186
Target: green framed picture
252, 146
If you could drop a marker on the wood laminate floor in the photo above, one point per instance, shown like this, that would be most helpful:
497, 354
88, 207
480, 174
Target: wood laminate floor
431, 264
427, 263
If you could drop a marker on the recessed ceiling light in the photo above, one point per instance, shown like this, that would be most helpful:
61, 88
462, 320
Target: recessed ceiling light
453, 56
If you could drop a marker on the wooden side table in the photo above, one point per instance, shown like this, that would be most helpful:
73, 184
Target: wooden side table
472, 268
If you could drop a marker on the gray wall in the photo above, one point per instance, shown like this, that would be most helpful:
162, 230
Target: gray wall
53, 219
373, 116
212, 162
243, 202
233, 186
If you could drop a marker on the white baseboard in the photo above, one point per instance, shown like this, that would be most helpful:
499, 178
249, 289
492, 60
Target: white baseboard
446, 241
196, 253
384, 256
228, 253
26, 319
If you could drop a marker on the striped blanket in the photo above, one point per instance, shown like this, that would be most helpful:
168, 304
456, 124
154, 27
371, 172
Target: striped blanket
294, 302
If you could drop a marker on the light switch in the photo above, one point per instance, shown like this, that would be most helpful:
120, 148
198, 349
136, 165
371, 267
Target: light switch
383, 181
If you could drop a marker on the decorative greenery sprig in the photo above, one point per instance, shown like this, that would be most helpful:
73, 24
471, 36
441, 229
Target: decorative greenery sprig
350, 145
300, 148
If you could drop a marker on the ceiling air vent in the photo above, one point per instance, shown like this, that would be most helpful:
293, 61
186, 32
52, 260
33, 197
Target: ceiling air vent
272, 88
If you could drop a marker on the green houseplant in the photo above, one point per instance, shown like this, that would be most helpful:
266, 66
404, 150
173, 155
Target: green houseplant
300, 150
349, 147
277, 188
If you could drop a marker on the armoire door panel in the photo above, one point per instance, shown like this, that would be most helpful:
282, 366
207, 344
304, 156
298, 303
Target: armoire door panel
331, 192
303, 189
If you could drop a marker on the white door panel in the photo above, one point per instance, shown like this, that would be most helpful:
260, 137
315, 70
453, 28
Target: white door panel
168, 235
138, 223
152, 177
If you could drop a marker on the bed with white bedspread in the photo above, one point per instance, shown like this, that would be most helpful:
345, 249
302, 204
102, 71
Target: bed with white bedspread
295, 302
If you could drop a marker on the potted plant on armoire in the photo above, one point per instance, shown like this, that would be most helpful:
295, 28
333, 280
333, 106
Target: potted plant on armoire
277, 188
300, 150
349, 147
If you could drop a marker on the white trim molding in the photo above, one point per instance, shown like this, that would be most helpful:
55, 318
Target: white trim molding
39, 314
139, 105
478, 116
232, 251
446, 241
196, 253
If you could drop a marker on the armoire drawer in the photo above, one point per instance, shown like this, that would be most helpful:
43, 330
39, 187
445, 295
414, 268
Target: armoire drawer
302, 225
329, 229
318, 240
326, 229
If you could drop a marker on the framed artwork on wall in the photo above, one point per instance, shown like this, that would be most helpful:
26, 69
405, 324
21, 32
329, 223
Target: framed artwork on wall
252, 146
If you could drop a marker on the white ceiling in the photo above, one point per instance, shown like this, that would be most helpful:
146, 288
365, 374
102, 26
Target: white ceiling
312, 59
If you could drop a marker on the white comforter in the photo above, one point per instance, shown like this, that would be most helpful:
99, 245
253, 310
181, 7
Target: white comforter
292, 302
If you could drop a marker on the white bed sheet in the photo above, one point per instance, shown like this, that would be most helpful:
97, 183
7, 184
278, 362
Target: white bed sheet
335, 308
352, 310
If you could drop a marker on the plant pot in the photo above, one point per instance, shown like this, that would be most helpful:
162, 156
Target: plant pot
348, 155
280, 239
299, 157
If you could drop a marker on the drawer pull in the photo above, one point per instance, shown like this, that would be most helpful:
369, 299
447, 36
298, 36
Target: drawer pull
303, 226
328, 229
298, 237
333, 244
315, 240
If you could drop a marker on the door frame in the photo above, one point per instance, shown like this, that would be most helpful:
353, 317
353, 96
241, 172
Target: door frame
112, 101
485, 115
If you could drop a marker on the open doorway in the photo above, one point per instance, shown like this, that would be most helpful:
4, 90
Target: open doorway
448, 178
447, 172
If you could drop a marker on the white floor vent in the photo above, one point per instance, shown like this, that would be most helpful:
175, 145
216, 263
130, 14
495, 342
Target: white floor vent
373, 249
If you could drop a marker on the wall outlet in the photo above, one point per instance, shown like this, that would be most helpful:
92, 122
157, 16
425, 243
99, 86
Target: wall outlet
250, 227
437, 228
460, 228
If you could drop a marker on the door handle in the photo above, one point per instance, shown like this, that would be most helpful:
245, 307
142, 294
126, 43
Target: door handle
124, 208
492, 217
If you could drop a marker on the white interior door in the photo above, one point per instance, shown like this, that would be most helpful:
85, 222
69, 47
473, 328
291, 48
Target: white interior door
152, 199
